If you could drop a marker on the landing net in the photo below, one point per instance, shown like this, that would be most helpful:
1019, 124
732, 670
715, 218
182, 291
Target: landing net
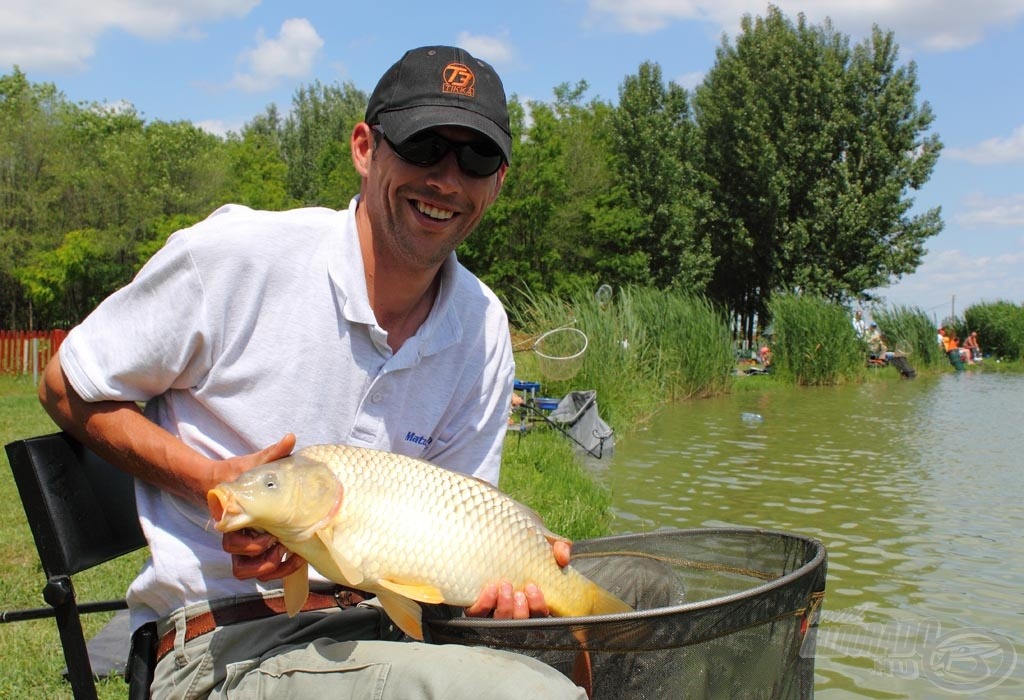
719, 613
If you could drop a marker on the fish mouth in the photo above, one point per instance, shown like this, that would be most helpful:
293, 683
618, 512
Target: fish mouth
225, 510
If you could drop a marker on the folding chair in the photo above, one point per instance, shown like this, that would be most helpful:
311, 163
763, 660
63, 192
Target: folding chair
82, 513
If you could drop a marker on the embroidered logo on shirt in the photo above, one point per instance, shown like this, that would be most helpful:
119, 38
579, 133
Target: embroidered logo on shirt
418, 439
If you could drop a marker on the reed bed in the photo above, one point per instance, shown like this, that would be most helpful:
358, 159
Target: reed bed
909, 331
1000, 327
646, 347
814, 343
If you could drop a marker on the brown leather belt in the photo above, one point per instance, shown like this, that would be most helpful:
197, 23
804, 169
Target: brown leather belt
198, 625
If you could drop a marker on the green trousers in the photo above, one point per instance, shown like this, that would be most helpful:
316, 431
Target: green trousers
343, 654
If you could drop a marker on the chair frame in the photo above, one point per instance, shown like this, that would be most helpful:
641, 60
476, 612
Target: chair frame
81, 511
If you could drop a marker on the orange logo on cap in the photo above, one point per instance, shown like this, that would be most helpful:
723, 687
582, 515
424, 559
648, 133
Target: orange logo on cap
458, 79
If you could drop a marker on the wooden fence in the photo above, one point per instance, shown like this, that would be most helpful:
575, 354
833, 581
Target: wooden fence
27, 352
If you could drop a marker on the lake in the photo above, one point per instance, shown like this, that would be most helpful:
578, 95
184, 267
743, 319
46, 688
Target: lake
913, 486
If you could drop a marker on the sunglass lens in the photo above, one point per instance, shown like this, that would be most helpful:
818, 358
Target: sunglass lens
424, 148
479, 159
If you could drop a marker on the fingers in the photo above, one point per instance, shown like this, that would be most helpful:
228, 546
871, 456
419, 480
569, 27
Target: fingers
502, 602
259, 555
282, 448
536, 604
563, 552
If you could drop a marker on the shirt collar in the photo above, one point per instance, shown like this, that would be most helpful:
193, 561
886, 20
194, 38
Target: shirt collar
345, 266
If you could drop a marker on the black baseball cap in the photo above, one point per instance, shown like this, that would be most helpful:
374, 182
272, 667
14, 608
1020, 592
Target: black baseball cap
441, 86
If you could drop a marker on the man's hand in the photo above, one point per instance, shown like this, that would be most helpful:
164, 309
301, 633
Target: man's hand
502, 602
233, 467
259, 555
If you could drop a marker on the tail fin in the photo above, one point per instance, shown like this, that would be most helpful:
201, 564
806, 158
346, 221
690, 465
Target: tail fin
601, 602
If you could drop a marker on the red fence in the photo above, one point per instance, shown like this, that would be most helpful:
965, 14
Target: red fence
27, 352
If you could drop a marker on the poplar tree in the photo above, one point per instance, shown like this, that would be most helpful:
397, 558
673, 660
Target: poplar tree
809, 153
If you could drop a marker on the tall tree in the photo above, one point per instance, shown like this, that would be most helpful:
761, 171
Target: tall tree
654, 149
315, 144
808, 151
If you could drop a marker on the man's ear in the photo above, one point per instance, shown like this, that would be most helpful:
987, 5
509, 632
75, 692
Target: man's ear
498, 182
361, 145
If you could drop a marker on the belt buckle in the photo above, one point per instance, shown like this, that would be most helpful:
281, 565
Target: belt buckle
346, 597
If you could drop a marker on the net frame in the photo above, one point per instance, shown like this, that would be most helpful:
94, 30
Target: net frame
560, 367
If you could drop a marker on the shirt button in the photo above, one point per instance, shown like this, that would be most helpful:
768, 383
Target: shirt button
377, 398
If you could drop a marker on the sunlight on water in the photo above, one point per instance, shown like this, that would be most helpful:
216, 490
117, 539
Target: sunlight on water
913, 486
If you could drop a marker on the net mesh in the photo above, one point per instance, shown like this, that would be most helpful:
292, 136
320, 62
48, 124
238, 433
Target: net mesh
718, 613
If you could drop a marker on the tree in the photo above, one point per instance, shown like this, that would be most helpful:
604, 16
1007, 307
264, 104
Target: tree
808, 151
257, 170
654, 160
315, 144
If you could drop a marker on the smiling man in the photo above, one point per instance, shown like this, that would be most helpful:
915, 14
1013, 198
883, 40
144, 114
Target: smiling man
253, 332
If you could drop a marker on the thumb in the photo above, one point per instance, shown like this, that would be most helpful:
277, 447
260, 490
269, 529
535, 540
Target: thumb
281, 448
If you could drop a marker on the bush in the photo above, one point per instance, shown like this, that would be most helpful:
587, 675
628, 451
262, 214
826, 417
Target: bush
1000, 327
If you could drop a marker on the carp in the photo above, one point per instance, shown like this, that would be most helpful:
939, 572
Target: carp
403, 529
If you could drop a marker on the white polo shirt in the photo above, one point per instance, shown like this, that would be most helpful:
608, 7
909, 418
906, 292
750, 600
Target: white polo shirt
252, 324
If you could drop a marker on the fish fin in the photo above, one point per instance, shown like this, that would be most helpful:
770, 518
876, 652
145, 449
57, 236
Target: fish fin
404, 612
423, 592
296, 590
602, 602
589, 599
582, 668
353, 576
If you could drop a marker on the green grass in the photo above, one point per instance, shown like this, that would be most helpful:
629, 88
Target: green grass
540, 470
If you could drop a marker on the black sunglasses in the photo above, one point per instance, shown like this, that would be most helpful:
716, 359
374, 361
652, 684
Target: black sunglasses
475, 158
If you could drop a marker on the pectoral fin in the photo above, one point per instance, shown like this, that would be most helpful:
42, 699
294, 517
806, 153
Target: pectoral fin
296, 590
404, 612
353, 576
423, 592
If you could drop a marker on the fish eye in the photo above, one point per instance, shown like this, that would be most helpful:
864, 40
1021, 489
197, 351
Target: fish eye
270, 481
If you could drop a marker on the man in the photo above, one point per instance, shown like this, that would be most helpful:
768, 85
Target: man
355, 327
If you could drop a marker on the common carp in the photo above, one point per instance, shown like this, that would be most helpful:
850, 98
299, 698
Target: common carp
403, 529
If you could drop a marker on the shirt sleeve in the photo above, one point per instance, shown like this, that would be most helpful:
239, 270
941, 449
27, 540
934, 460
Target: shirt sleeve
147, 337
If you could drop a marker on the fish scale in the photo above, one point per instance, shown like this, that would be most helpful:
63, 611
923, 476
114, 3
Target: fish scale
404, 529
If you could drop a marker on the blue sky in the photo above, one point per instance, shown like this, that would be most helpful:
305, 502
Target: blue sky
218, 63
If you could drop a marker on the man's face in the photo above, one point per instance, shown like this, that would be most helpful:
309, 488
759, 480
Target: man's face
419, 214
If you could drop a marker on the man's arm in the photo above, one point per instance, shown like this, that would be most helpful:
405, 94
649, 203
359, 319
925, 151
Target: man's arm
119, 432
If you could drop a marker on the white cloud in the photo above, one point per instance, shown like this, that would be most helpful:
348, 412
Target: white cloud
290, 55
495, 50
934, 25
219, 127
690, 80
61, 35
949, 281
994, 151
988, 212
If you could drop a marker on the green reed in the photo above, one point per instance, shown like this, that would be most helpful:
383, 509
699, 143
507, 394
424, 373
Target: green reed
909, 331
814, 342
645, 347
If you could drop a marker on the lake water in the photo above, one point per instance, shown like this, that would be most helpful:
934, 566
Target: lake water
915, 488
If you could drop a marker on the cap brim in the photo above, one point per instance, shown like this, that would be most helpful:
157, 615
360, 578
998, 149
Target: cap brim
400, 124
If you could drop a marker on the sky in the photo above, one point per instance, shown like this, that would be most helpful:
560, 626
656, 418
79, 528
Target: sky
219, 63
